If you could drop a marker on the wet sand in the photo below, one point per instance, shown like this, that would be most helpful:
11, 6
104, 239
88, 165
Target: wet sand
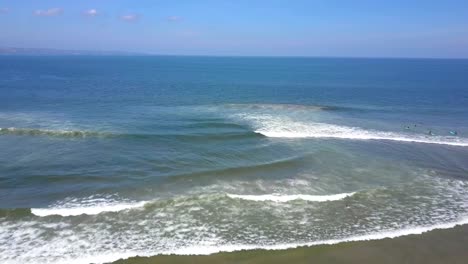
438, 246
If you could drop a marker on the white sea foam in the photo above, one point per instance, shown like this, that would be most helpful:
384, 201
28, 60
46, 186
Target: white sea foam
286, 128
207, 250
173, 229
286, 198
90, 206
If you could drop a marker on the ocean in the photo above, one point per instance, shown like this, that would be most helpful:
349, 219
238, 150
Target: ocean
108, 157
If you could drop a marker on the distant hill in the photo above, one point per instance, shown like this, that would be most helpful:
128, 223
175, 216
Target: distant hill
38, 52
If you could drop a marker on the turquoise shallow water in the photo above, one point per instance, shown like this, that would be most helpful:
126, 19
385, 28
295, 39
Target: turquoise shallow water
110, 157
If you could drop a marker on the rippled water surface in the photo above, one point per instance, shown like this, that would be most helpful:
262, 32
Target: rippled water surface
111, 157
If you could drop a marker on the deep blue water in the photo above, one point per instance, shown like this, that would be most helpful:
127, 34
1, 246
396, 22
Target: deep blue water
108, 157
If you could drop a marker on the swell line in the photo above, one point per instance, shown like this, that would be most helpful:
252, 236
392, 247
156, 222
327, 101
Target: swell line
84, 134
49, 132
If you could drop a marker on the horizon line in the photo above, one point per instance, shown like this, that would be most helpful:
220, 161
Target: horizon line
140, 53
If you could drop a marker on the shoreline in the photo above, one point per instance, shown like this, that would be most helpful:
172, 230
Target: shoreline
435, 246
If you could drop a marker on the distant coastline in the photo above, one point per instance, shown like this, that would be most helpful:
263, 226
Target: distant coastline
15, 51
62, 52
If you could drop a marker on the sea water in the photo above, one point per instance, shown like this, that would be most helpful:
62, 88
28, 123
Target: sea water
111, 157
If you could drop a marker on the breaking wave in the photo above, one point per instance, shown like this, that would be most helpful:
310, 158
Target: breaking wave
208, 248
96, 205
291, 129
416, 230
288, 198
88, 206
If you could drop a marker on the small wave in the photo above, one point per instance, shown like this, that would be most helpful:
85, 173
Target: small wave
288, 198
210, 136
241, 170
208, 249
417, 230
91, 206
48, 132
212, 124
15, 212
291, 129
281, 107
83, 134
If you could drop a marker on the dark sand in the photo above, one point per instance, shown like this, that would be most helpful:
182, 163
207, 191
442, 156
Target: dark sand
438, 246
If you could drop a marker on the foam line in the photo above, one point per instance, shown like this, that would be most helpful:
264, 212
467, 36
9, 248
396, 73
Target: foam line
88, 210
287, 198
207, 250
291, 129
110, 256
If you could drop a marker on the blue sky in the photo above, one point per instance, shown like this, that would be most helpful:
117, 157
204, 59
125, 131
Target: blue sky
358, 28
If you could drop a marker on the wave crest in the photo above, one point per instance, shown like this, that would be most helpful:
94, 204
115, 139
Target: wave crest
415, 230
88, 206
288, 198
282, 107
291, 129
48, 132
95, 205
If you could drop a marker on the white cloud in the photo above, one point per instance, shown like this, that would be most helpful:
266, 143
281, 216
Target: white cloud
130, 17
91, 12
174, 18
49, 12
4, 10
